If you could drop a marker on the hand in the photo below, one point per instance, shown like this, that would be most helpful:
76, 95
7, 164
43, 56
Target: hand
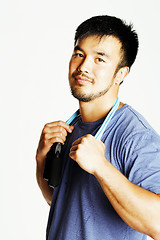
88, 152
51, 133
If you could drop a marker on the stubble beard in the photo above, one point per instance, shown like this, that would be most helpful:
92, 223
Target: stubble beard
83, 97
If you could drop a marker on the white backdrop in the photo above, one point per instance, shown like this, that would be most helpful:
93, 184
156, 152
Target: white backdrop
36, 41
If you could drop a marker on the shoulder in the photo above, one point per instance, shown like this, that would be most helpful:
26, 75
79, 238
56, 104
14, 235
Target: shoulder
130, 135
129, 123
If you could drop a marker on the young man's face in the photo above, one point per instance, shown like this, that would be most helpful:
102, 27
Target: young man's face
92, 67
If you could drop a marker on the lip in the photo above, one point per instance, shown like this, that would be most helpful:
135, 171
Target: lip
82, 81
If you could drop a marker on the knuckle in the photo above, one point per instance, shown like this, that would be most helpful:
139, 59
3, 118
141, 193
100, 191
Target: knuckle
60, 123
79, 148
58, 134
85, 139
53, 140
45, 141
46, 125
89, 136
77, 154
64, 137
61, 135
45, 129
60, 129
45, 136
56, 138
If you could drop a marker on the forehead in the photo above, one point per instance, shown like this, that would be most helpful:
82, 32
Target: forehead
110, 45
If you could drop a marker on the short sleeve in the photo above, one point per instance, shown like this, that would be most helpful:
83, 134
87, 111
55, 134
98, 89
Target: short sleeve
141, 158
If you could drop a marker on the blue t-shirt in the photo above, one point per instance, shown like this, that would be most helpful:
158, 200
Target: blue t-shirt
80, 209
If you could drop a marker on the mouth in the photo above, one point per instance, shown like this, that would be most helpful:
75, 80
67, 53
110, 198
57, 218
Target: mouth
82, 79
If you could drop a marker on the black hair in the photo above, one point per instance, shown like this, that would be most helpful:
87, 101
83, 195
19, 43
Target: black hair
111, 26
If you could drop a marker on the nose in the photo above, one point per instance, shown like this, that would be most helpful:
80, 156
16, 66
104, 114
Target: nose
84, 66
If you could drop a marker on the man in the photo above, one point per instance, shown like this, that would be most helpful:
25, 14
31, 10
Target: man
110, 188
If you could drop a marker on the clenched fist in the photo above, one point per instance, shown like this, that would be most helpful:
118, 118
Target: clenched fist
88, 152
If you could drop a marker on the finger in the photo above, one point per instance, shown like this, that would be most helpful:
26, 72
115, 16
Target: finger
78, 141
82, 139
59, 135
72, 155
56, 140
57, 129
65, 125
74, 148
46, 135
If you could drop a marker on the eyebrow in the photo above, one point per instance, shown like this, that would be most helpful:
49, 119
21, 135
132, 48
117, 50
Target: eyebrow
102, 54
78, 48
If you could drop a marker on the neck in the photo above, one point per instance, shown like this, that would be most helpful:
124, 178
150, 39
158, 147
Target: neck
96, 109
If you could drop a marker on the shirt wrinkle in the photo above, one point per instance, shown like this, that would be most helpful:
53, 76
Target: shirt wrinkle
81, 209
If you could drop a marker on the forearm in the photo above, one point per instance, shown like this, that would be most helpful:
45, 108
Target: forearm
43, 185
138, 207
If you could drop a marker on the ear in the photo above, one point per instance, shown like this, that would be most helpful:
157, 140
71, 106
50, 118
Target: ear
121, 74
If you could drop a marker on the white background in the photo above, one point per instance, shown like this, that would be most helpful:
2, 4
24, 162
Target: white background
36, 42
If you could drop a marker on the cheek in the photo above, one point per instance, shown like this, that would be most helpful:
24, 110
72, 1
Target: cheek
70, 65
71, 68
104, 73
74, 63
100, 73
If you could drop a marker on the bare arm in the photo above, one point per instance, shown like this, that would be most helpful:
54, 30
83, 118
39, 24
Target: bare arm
51, 133
139, 208
43, 184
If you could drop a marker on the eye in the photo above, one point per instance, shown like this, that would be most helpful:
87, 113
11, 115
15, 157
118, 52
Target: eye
77, 54
99, 60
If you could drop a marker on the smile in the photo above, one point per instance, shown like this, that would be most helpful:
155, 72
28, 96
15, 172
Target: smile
82, 80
